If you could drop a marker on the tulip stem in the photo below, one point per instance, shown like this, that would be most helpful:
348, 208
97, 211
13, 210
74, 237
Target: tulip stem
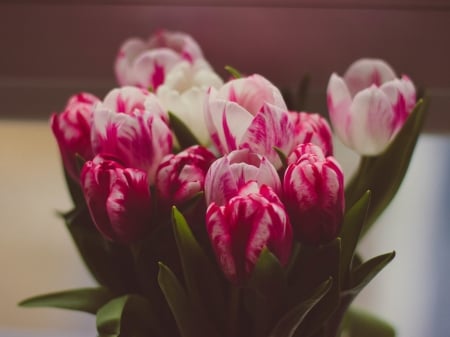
235, 294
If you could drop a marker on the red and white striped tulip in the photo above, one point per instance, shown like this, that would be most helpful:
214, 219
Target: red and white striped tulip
312, 128
72, 129
314, 196
243, 227
146, 63
369, 105
137, 138
118, 199
181, 176
230, 173
183, 93
249, 113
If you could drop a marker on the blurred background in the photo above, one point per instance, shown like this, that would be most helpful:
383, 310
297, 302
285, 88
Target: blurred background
52, 49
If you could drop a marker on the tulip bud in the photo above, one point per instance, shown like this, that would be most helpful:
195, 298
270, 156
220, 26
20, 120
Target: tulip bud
240, 229
118, 199
72, 129
228, 174
369, 105
181, 176
139, 139
146, 64
249, 113
314, 197
312, 128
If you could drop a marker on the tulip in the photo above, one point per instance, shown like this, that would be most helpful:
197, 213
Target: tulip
369, 105
180, 177
72, 129
146, 64
243, 227
312, 128
229, 174
183, 93
314, 196
305, 149
139, 139
249, 113
118, 199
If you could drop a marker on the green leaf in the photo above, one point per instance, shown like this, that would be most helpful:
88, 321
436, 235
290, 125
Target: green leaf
350, 232
359, 323
86, 299
289, 323
233, 72
282, 156
182, 309
203, 284
110, 264
383, 174
184, 135
129, 315
365, 272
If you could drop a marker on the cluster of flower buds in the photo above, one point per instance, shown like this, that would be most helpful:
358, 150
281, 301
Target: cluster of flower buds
268, 176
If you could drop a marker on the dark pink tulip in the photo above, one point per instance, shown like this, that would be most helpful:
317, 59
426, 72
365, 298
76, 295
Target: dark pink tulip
240, 230
118, 199
228, 174
181, 176
312, 128
314, 197
146, 63
72, 129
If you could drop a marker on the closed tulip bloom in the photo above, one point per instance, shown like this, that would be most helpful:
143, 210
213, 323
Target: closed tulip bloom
243, 227
183, 93
369, 105
249, 113
312, 128
146, 63
181, 176
314, 197
305, 149
139, 139
72, 129
118, 199
228, 174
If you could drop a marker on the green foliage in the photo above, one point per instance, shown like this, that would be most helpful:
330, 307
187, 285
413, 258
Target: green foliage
233, 71
86, 299
359, 323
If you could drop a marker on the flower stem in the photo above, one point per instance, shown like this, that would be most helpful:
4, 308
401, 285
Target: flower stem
235, 299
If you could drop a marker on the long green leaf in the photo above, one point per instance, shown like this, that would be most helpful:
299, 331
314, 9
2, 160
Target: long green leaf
359, 323
182, 309
204, 287
86, 299
351, 229
129, 315
288, 324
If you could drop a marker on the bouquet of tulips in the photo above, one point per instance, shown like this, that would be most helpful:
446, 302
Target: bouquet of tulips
205, 208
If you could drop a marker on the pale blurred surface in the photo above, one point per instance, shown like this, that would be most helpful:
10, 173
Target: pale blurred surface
37, 255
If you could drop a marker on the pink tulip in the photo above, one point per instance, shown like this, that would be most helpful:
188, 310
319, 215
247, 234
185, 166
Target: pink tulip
240, 229
314, 196
139, 139
181, 176
145, 64
249, 113
369, 105
312, 128
72, 129
118, 199
305, 149
230, 173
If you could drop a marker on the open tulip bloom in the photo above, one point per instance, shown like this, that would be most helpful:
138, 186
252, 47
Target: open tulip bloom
205, 208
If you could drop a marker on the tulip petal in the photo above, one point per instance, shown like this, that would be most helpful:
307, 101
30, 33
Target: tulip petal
366, 72
128, 52
371, 122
